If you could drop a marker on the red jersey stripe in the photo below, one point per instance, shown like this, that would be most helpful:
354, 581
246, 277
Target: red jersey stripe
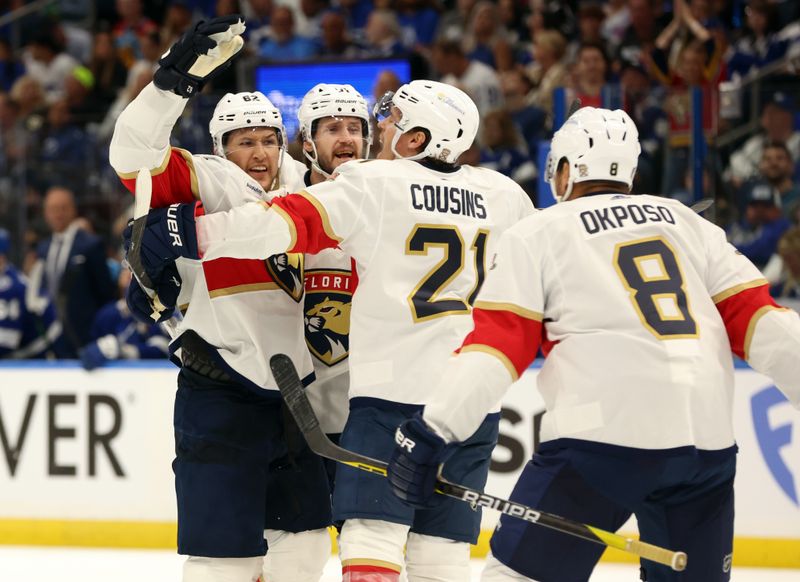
741, 311
312, 230
515, 337
175, 181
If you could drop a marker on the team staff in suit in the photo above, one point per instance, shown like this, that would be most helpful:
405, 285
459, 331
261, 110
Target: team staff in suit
75, 271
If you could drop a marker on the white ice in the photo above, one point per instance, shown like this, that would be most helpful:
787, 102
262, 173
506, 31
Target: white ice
42, 564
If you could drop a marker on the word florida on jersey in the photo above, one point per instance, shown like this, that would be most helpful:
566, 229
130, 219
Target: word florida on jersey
447, 200
622, 215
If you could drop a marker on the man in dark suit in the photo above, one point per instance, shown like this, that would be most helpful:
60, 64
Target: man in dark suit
75, 271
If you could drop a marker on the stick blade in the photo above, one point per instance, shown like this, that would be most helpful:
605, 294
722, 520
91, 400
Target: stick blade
293, 392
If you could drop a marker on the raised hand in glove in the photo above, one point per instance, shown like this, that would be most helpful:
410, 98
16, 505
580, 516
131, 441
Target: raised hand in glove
200, 55
170, 234
414, 467
167, 289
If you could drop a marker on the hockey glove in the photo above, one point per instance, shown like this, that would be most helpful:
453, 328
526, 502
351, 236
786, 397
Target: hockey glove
167, 289
170, 234
200, 55
97, 353
419, 453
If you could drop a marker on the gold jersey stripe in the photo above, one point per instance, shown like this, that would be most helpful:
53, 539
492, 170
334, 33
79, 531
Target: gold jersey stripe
187, 156
323, 214
153, 171
738, 289
243, 289
504, 359
516, 309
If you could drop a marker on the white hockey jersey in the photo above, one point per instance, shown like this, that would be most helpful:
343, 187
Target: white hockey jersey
637, 303
420, 239
247, 310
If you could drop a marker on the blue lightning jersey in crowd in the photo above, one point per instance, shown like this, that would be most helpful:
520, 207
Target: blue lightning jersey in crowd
136, 340
28, 324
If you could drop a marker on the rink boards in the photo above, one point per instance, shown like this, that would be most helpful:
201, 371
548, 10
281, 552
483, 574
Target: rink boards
86, 459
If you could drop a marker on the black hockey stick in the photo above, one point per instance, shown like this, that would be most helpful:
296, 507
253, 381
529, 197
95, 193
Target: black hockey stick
297, 402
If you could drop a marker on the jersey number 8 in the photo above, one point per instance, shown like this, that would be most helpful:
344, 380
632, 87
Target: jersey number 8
423, 299
651, 274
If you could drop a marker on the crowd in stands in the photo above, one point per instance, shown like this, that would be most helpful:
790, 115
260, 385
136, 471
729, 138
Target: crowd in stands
67, 71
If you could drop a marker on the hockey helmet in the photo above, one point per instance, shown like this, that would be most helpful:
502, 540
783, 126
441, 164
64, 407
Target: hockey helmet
598, 144
447, 113
239, 110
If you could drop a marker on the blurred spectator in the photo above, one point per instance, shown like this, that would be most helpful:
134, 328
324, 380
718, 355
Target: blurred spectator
756, 234
387, 81
786, 290
28, 324
257, 15
116, 335
335, 40
311, 14
177, 20
85, 105
453, 23
418, 20
283, 44
28, 94
486, 40
590, 21
478, 80
698, 65
502, 150
777, 124
14, 139
591, 74
760, 45
548, 70
131, 25
107, 68
616, 22
226, 7
151, 52
640, 36
512, 18
75, 271
356, 12
644, 104
777, 170
11, 69
382, 35
530, 120
63, 148
46, 61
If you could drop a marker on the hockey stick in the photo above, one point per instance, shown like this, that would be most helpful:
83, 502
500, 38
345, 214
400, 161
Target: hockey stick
297, 402
141, 208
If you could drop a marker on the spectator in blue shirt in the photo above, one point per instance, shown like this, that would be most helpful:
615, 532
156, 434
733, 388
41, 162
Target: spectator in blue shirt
28, 324
756, 235
283, 44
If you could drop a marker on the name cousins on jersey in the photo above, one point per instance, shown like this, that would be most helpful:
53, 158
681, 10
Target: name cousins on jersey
619, 216
447, 200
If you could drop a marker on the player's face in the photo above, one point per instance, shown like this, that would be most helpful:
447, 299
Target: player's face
387, 128
257, 151
338, 140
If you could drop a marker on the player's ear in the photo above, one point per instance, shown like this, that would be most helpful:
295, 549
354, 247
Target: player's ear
307, 146
562, 176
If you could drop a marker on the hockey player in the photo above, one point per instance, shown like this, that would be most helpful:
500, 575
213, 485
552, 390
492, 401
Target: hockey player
28, 324
419, 228
234, 475
334, 128
638, 303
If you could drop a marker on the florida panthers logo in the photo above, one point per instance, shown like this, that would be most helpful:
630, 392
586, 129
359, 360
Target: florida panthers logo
287, 272
327, 328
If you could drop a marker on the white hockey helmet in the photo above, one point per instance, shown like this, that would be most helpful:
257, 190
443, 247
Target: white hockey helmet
447, 113
331, 100
598, 144
238, 110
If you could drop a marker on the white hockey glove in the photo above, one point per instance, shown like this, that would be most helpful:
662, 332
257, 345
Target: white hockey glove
200, 55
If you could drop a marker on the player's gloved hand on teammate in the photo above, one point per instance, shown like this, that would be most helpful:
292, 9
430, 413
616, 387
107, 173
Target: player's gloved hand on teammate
200, 55
415, 462
170, 234
167, 288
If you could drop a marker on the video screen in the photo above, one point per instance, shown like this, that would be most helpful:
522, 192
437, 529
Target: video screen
285, 84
